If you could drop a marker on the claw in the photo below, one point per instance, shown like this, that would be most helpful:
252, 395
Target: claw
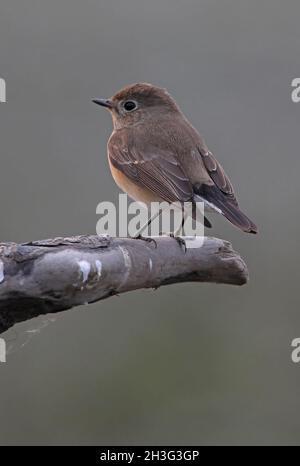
147, 239
180, 241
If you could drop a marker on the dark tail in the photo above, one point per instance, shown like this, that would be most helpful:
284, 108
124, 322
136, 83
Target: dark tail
206, 222
228, 207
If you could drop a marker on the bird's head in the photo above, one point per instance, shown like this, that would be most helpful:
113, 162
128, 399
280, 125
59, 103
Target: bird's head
137, 103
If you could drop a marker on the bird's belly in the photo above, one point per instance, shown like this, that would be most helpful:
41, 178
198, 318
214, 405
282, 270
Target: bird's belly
136, 192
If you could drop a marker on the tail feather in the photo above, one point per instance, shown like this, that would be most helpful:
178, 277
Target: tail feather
206, 222
229, 209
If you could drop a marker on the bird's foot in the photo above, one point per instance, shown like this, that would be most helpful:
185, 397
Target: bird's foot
148, 239
180, 241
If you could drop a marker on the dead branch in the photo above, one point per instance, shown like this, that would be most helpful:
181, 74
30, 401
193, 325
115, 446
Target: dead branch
54, 275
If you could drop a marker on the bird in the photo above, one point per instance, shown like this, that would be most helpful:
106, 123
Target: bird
155, 154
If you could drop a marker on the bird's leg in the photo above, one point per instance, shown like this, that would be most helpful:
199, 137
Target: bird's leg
174, 235
181, 227
138, 234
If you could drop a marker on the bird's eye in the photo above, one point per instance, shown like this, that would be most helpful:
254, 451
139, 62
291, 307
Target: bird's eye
129, 105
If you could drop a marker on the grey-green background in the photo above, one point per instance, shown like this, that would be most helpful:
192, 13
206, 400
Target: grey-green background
188, 364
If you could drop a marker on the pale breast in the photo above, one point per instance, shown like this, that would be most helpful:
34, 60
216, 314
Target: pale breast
136, 192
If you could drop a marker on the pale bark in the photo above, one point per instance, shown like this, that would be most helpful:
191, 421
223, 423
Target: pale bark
54, 275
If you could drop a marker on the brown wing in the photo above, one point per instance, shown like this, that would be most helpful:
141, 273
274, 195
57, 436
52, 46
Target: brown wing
221, 193
218, 175
156, 169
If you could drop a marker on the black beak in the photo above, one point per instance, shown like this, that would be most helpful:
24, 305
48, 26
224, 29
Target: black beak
103, 102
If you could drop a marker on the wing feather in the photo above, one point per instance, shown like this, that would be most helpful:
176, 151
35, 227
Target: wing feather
218, 175
157, 170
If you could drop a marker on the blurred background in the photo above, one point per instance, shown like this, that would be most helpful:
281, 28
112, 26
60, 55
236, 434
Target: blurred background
187, 364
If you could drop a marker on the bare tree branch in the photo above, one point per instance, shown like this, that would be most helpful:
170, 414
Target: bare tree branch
54, 275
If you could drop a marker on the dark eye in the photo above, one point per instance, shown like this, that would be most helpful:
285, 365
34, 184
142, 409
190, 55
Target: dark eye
129, 105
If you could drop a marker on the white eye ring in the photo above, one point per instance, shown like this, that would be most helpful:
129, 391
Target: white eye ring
129, 105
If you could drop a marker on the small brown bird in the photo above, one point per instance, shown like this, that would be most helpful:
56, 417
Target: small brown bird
155, 154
